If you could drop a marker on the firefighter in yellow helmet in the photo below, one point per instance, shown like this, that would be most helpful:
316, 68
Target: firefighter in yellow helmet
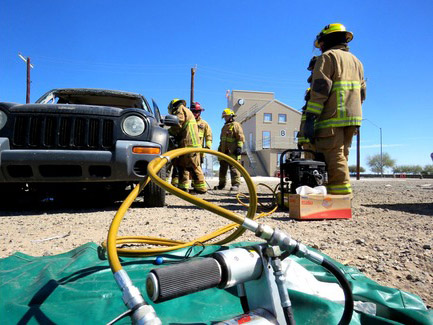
186, 134
231, 142
333, 112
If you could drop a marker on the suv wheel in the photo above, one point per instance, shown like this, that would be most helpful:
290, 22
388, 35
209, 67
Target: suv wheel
153, 195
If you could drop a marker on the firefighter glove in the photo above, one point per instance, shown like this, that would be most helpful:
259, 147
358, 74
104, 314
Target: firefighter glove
309, 127
238, 151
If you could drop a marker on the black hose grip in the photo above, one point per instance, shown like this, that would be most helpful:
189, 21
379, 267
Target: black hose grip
347, 290
178, 280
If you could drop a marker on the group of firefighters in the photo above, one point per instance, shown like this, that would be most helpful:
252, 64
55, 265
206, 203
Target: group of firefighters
194, 132
330, 118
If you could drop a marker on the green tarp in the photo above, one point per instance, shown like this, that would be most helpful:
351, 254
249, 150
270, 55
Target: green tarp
78, 287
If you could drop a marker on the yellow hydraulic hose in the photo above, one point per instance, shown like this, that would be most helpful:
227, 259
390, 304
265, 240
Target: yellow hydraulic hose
274, 206
153, 168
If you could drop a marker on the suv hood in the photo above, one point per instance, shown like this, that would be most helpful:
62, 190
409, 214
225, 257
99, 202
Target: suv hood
70, 109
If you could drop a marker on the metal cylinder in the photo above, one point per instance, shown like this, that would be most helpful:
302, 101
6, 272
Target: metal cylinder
177, 280
238, 265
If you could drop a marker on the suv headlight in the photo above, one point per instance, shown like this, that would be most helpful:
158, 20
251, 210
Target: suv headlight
3, 119
133, 126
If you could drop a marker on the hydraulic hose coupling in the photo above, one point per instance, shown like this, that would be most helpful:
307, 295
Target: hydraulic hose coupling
141, 313
276, 237
264, 232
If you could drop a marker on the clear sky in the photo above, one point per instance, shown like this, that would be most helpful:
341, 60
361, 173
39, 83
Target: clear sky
150, 47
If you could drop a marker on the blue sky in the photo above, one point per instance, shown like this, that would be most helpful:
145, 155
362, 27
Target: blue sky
150, 47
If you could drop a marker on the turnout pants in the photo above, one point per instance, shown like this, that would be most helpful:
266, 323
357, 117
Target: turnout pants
334, 144
190, 164
235, 174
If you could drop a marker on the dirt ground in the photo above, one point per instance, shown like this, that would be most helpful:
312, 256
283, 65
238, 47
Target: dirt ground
389, 237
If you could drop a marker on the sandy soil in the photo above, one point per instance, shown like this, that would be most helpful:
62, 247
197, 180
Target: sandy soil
389, 237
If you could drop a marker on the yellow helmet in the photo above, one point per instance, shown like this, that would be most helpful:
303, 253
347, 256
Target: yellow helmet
174, 104
333, 28
228, 112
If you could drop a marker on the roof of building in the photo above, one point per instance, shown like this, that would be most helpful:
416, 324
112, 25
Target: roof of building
255, 110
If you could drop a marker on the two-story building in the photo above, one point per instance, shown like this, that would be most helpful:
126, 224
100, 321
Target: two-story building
270, 127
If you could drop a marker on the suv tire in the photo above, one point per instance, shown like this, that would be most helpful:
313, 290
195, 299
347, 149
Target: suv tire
153, 195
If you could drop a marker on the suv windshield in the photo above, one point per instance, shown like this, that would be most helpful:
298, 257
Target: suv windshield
94, 97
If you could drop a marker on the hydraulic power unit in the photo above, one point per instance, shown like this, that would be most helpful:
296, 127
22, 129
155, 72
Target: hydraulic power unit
296, 171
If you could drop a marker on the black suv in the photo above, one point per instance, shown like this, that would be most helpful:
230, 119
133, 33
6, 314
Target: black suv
90, 140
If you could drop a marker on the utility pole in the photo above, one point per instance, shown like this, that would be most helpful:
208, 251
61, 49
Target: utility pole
192, 85
29, 66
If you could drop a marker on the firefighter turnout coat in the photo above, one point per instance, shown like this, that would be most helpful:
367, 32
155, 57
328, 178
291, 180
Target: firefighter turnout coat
337, 92
204, 133
187, 136
232, 136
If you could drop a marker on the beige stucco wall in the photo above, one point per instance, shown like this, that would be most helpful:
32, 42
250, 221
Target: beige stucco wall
251, 116
249, 127
249, 95
252, 100
278, 140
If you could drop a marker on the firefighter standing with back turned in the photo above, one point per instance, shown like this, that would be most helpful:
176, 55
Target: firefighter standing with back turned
334, 112
186, 134
232, 140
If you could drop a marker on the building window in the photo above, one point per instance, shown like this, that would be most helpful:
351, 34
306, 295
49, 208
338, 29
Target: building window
282, 118
251, 142
278, 159
267, 117
266, 139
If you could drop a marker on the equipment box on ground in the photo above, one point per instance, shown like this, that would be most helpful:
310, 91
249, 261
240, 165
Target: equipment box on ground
314, 206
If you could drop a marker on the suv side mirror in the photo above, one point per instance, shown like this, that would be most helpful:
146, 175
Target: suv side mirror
170, 120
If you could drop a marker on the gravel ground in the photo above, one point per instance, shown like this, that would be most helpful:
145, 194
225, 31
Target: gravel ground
389, 237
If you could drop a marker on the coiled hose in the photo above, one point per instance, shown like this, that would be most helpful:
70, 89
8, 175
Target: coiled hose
153, 168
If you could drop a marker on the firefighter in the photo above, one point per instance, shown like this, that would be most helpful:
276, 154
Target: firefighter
333, 111
186, 134
231, 142
204, 130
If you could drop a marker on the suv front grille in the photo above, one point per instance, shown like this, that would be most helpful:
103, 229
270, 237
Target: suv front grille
62, 132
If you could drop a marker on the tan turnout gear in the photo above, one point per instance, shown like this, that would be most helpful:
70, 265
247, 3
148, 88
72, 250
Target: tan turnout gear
232, 137
204, 130
204, 133
337, 92
186, 134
